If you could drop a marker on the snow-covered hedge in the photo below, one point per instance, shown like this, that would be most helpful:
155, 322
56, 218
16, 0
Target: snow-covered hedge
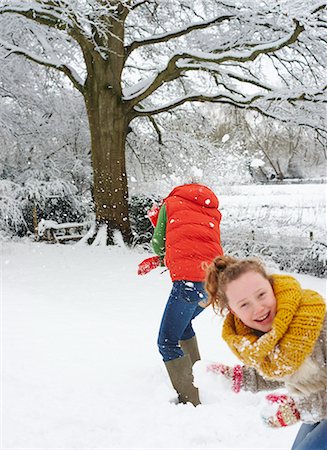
12, 220
291, 255
23, 206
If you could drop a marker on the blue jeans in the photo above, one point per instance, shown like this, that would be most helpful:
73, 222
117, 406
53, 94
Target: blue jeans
176, 323
311, 436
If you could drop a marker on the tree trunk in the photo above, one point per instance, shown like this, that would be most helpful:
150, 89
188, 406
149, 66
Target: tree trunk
108, 120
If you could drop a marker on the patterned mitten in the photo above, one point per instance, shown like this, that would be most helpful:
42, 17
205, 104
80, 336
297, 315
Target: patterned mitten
148, 264
153, 214
281, 411
233, 374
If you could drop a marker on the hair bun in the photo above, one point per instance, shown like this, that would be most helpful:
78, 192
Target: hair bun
222, 262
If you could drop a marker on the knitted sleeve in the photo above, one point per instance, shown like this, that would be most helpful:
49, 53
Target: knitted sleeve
159, 236
254, 382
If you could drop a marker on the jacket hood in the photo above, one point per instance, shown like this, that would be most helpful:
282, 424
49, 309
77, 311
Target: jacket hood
196, 193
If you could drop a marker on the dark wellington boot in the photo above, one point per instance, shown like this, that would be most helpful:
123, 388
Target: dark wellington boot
190, 347
181, 377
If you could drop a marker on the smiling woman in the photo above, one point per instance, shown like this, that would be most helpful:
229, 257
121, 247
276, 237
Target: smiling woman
251, 298
279, 331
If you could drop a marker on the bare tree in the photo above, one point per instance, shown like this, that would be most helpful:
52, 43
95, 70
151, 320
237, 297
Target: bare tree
139, 58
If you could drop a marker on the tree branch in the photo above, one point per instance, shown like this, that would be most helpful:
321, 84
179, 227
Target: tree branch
54, 64
248, 55
42, 15
157, 129
178, 33
248, 80
170, 73
173, 70
140, 3
243, 102
221, 98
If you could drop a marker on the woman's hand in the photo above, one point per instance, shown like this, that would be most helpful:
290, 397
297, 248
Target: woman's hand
233, 373
281, 411
232, 376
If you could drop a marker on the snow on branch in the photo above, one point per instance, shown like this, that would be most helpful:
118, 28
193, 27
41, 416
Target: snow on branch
256, 102
164, 37
138, 3
180, 62
222, 97
49, 15
145, 89
245, 79
52, 63
244, 55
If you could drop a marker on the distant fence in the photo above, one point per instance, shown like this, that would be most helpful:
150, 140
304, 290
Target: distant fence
292, 254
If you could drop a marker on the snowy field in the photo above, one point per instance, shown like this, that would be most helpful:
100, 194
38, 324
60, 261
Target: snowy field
289, 209
277, 210
80, 368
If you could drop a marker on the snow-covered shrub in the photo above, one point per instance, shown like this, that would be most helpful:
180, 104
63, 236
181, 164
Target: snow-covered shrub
141, 225
315, 261
291, 255
22, 206
52, 200
12, 221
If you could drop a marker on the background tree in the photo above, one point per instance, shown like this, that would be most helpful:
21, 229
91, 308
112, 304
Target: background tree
288, 151
271, 149
45, 152
132, 59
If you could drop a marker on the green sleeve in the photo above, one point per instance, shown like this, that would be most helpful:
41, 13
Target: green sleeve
159, 236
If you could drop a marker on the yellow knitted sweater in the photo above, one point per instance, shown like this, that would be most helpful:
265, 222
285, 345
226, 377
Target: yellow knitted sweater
296, 327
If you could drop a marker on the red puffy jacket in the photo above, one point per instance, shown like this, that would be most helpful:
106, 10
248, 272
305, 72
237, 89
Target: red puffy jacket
192, 231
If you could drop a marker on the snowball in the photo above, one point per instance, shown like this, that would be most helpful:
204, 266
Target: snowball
212, 386
225, 138
196, 173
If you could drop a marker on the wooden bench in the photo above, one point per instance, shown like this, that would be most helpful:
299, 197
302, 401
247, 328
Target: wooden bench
54, 232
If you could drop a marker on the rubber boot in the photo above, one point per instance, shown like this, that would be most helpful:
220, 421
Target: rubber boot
181, 377
190, 347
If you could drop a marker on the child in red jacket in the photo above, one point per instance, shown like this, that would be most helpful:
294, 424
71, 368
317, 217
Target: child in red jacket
186, 236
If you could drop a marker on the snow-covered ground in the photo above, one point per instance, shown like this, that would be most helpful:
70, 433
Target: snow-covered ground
80, 368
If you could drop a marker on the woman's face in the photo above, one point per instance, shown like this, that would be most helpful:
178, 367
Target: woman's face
251, 298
